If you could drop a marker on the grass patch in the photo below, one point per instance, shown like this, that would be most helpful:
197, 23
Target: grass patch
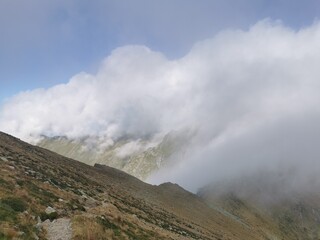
16, 204
3, 237
74, 204
43, 195
6, 184
86, 228
51, 216
106, 223
59, 184
140, 235
7, 213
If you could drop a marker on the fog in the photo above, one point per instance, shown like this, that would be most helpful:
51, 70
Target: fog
251, 96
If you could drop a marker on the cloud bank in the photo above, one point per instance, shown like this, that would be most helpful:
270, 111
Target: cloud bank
253, 97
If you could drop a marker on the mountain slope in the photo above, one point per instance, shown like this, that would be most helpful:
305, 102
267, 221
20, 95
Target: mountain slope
268, 204
138, 157
98, 202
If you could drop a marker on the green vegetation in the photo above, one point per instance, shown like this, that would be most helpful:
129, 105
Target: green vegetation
74, 204
9, 209
3, 237
57, 183
7, 213
16, 204
45, 197
51, 216
106, 223
6, 184
132, 232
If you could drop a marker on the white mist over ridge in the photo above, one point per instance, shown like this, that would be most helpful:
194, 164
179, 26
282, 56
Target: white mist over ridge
253, 97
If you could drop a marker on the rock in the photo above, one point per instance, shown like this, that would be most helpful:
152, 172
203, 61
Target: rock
50, 210
39, 227
60, 229
4, 159
35, 236
90, 202
61, 200
46, 222
21, 233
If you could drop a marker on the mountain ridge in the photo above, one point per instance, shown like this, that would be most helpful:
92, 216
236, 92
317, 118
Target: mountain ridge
138, 157
100, 202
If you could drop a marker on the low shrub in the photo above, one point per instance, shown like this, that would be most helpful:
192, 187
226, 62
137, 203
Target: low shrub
3, 237
51, 216
16, 204
106, 223
6, 213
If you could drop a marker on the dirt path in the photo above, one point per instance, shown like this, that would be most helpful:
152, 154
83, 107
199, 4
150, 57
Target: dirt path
59, 229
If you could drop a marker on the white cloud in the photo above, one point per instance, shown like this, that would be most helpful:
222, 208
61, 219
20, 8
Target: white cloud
253, 96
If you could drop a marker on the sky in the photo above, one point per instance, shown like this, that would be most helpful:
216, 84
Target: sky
242, 76
44, 42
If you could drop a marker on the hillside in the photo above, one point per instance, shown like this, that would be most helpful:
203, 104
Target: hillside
44, 195
266, 202
138, 157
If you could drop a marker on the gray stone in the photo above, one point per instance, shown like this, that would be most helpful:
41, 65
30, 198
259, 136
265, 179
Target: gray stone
50, 210
4, 159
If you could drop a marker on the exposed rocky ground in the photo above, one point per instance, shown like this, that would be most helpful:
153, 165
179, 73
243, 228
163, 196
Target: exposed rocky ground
58, 229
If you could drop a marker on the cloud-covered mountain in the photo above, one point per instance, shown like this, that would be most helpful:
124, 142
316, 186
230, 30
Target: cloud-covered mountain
140, 158
251, 96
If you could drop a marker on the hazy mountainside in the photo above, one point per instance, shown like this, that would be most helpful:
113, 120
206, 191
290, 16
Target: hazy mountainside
267, 202
100, 202
137, 157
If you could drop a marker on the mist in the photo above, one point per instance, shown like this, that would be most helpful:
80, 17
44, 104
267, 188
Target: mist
252, 97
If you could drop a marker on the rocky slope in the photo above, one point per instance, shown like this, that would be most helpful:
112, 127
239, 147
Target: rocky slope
43, 193
138, 157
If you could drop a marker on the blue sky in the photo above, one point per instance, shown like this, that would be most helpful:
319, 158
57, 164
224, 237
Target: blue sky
44, 42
